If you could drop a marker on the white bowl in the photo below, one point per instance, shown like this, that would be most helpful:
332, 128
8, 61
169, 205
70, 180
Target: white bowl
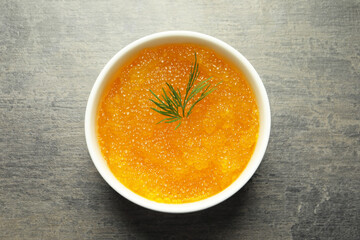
177, 37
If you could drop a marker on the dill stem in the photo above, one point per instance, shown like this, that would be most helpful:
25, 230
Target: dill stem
169, 103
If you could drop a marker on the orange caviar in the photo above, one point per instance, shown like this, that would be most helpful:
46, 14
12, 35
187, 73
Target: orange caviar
205, 154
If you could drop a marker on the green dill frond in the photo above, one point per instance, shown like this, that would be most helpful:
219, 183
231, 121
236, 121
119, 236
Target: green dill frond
169, 103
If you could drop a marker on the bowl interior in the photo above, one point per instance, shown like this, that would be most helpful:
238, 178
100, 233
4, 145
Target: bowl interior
126, 54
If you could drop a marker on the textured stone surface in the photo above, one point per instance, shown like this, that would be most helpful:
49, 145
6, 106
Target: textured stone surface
307, 53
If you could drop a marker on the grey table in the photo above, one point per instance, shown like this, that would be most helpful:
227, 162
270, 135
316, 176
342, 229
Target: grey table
307, 54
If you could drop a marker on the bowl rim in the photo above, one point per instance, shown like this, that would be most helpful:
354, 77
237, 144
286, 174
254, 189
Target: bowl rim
220, 48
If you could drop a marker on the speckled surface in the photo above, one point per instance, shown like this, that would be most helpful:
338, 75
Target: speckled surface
307, 54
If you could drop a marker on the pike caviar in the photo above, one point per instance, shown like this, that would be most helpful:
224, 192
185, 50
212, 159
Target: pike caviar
205, 154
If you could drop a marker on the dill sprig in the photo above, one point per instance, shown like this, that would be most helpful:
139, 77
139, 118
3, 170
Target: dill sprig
173, 106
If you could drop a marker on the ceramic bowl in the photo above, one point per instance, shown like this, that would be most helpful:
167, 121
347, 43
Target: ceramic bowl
222, 49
